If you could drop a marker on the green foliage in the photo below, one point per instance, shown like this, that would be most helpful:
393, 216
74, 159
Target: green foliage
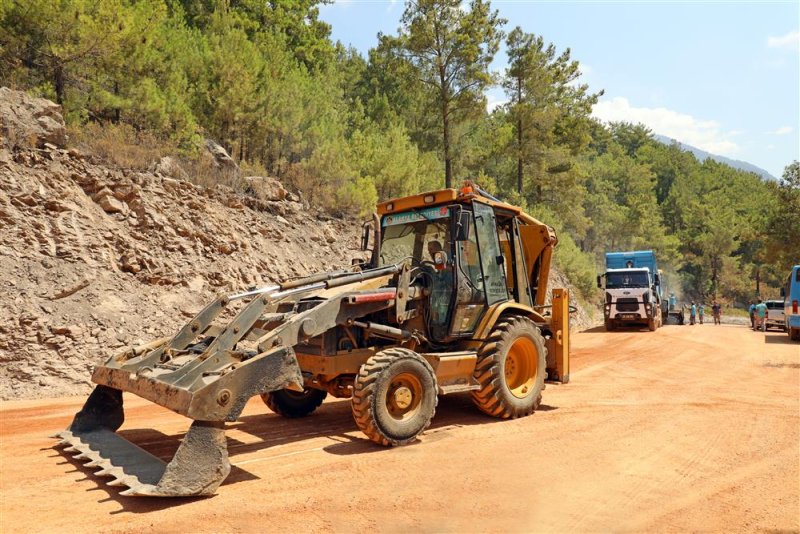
266, 81
783, 220
548, 110
450, 48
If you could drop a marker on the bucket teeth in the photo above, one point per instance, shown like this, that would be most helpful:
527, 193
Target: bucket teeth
198, 468
104, 450
105, 472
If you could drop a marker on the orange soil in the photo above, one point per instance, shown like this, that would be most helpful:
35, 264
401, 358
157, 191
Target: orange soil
686, 428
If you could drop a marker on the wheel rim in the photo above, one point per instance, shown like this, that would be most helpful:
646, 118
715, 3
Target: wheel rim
403, 397
521, 367
298, 395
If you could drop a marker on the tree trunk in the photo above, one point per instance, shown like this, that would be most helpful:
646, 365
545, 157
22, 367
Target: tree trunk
519, 156
448, 170
444, 94
58, 81
117, 112
519, 136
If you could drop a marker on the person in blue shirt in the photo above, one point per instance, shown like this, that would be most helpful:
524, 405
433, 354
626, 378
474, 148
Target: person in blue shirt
692, 313
752, 310
701, 311
761, 316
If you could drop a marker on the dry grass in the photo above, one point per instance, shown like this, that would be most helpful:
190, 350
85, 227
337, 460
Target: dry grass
121, 145
125, 147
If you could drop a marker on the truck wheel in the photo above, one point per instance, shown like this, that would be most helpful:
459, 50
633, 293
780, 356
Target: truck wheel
610, 325
652, 325
394, 396
293, 404
511, 369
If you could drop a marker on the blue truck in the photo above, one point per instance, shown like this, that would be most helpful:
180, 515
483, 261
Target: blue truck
791, 303
633, 292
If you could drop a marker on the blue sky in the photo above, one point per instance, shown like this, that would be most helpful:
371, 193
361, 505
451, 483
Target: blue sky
722, 76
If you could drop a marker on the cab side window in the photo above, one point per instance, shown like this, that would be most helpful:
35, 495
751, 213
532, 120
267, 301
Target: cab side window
492, 259
471, 296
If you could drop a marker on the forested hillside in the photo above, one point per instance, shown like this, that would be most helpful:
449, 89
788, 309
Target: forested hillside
266, 81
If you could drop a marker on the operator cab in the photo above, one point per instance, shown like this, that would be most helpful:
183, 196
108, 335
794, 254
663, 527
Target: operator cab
468, 255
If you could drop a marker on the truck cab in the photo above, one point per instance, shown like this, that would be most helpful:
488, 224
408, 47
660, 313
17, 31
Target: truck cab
632, 288
791, 311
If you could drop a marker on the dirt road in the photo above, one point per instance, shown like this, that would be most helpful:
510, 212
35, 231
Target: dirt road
688, 428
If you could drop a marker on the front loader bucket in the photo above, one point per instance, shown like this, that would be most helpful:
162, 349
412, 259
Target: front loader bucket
198, 467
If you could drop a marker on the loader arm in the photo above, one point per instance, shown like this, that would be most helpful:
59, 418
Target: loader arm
200, 373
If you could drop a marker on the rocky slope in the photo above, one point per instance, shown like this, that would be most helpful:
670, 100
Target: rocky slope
95, 258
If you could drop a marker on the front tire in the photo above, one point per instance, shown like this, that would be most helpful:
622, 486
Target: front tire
511, 369
294, 404
394, 396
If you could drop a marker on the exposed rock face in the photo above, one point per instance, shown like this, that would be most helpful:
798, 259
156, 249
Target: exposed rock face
30, 122
93, 259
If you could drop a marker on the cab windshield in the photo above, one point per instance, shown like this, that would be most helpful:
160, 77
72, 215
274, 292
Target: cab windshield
415, 234
620, 280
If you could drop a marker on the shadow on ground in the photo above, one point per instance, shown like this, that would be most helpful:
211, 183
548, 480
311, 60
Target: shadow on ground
781, 338
333, 420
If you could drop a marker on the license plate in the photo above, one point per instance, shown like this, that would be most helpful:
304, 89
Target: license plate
628, 316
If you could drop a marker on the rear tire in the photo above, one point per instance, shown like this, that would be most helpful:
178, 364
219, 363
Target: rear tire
294, 404
394, 396
511, 369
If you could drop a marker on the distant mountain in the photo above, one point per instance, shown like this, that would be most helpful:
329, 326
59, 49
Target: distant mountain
702, 155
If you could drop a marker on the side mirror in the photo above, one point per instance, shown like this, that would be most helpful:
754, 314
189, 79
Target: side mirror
783, 291
461, 223
600, 282
658, 279
366, 230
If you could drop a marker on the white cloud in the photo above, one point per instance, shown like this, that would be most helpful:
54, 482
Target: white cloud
783, 130
790, 41
704, 134
493, 102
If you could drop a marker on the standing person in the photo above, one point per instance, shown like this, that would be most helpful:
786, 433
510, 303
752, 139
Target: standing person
701, 311
692, 313
752, 310
761, 316
716, 311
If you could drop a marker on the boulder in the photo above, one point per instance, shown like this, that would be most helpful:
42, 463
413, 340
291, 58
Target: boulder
266, 188
169, 166
105, 198
221, 156
30, 122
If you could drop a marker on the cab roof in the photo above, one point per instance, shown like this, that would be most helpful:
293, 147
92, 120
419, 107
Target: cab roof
465, 195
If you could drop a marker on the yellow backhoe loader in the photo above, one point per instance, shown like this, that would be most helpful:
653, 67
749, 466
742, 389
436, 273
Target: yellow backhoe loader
452, 300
